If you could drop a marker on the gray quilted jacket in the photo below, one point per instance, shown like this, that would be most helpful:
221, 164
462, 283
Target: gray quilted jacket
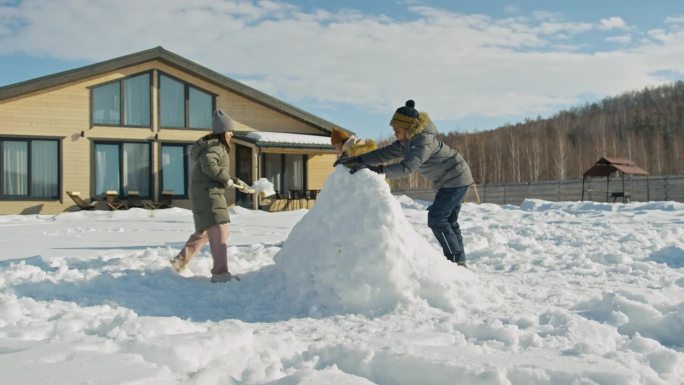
422, 152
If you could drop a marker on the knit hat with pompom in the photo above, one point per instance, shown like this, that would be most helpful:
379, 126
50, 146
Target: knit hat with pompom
405, 117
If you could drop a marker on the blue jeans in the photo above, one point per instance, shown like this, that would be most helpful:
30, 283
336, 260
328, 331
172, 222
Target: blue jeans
443, 221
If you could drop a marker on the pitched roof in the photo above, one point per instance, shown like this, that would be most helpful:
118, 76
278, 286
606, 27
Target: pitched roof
606, 166
172, 59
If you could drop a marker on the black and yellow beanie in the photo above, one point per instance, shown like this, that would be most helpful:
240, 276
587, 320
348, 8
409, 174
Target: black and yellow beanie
405, 117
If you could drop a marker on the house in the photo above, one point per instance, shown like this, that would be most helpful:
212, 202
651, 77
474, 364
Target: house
128, 123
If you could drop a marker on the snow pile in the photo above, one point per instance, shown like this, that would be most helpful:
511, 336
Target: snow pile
355, 251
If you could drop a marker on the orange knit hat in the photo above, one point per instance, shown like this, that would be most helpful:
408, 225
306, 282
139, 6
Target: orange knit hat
338, 136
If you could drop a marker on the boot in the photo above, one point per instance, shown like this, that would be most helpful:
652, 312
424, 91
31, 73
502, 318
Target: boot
460, 262
178, 264
223, 277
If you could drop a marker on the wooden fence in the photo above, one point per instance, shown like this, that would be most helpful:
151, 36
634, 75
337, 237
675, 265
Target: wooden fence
642, 189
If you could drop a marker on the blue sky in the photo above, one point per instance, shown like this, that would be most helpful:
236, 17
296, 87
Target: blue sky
471, 64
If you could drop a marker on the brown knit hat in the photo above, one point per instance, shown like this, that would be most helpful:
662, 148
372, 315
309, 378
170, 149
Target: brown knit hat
338, 136
405, 117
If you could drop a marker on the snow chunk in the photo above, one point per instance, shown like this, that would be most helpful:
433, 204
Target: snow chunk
264, 187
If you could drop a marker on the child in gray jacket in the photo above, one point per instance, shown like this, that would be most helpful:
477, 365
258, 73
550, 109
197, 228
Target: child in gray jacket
419, 150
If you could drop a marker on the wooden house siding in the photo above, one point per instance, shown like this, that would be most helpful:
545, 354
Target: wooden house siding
319, 168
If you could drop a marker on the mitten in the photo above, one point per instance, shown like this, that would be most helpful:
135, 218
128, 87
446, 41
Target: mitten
376, 169
347, 160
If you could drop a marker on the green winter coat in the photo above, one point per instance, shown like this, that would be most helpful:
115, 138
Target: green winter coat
208, 182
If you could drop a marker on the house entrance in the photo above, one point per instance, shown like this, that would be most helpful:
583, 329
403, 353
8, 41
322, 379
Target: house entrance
243, 171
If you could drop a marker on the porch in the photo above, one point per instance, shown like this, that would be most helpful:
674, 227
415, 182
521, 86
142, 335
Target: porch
296, 164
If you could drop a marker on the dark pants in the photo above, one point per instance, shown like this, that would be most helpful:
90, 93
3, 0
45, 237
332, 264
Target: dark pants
443, 221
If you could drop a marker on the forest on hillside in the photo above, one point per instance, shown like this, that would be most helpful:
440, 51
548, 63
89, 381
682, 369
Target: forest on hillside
646, 126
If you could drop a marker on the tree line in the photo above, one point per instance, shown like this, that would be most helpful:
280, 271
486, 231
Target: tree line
646, 126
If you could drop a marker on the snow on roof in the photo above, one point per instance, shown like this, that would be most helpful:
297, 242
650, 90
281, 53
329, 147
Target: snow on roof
280, 137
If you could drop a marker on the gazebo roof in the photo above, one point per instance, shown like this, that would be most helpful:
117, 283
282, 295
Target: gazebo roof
607, 166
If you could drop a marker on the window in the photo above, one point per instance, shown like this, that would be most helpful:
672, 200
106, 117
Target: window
30, 168
122, 167
293, 175
176, 166
127, 100
182, 105
171, 102
201, 106
273, 170
285, 171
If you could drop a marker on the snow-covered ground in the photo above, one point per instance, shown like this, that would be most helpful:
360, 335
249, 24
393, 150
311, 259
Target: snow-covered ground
353, 291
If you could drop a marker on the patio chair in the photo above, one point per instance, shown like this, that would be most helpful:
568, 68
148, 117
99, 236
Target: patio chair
82, 204
165, 201
133, 200
113, 201
295, 197
310, 195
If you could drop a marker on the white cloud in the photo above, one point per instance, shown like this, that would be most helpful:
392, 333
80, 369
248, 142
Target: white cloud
622, 39
511, 9
676, 19
611, 23
454, 64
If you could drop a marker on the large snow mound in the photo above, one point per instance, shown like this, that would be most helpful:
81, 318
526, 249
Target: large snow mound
355, 251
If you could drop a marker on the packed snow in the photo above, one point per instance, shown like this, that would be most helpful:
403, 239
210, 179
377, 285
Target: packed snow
352, 291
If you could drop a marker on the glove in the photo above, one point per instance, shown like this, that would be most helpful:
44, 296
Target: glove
347, 160
242, 186
379, 169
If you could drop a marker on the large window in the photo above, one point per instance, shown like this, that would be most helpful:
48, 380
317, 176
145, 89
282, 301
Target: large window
30, 168
285, 171
127, 100
182, 105
176, 167
122, 167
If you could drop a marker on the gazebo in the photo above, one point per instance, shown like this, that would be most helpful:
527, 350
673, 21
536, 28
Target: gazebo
606, 167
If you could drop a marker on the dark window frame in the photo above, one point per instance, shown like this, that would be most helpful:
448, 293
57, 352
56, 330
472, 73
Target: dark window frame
29, 175
121, 166
122, 102
186, 168
305, 174
186, 102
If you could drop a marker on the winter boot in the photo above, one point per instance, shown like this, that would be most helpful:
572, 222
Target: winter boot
460, 262
178, 264
223, 277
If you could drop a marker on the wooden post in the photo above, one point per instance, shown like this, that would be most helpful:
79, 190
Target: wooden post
648, 189
624, 198
504, 197
583, 177
667, 195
